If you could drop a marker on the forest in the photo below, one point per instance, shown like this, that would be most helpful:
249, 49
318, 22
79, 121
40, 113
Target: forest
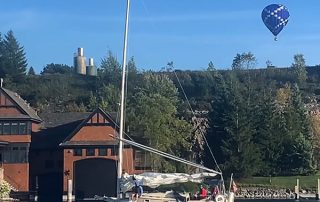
246, 120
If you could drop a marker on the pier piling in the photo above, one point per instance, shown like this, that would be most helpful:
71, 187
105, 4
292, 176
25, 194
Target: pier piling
296, 190
318, 190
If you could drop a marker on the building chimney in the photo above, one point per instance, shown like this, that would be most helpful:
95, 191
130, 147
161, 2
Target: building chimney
1, 82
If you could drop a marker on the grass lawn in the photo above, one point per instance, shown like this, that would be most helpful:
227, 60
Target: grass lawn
282, 182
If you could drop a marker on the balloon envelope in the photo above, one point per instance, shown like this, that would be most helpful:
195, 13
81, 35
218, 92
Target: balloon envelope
275, 17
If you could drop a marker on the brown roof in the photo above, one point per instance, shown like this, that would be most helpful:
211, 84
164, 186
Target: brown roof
23, 105
57, 127
53, 119
50, 138
98, 110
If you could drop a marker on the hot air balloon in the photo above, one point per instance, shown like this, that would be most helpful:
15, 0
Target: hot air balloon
275, 17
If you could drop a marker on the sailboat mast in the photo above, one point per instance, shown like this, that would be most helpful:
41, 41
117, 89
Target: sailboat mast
124, 62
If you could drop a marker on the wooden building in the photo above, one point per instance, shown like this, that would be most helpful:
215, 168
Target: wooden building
42, 154
17, 123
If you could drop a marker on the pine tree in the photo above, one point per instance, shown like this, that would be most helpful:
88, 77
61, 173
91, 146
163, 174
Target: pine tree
111, 69
2, 67
233, 132
31, 71
14, 58
296, 157
268, 134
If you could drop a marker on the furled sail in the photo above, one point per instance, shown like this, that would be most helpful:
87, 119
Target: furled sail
154, 180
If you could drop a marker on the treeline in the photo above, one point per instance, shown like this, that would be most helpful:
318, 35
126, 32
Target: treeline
255, 121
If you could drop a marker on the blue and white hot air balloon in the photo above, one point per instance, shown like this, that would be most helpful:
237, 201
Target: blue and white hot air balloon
275, 17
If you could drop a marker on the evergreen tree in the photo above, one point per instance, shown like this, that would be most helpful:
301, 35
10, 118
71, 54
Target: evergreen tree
31, 71
269, 130
133, 78
234, 132
296, 157
14, 58
2, 67
111, 69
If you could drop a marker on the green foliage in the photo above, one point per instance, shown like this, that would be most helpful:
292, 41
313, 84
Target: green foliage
297, 157
234, 131
5, 190
152, 117
257, 118
13, 58
306, 182
56, 69
110, 69
244, 61
299, 69
31, 72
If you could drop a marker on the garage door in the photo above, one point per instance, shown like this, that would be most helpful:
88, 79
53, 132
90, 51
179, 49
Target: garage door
95, 176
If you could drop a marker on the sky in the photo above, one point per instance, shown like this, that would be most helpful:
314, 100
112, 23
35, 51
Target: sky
187, 32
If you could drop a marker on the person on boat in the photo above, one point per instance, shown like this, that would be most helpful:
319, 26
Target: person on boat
203, 192
215, 191
137, 189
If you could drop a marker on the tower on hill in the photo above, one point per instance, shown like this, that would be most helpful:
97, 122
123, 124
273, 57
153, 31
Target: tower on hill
80, 64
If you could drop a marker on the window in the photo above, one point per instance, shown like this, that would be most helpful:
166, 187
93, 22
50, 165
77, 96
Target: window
14, 129
90, 152
103, 152
77, 152
142, 160
22, 128
16, 153
6, 128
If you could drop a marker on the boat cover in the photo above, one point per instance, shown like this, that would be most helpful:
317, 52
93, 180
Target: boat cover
154, 180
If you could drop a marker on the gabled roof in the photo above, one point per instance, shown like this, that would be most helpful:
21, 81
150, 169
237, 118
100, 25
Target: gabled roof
57, 127
98, 110
50, 138
54, 119
22, 105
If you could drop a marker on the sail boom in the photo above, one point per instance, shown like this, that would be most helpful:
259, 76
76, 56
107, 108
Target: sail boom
169, 156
